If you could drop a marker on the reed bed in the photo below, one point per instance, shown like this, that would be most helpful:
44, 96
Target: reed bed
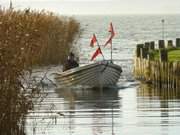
28, 38
48, 35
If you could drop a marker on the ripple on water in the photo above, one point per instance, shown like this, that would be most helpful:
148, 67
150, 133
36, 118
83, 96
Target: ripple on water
130, 108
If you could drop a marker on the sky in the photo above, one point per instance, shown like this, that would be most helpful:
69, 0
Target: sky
83, 7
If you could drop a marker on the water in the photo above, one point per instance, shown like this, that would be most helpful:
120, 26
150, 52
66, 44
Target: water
131, 107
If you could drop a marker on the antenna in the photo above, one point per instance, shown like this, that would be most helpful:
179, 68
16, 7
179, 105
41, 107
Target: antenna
163, 21
10, 5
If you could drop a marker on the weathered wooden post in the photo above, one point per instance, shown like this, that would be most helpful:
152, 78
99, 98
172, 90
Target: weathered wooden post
170, 44
178, 75
161, 44
152, 45
138, 65
144, 53
147, 45
162, 73
163, 55
138, 50
177, 42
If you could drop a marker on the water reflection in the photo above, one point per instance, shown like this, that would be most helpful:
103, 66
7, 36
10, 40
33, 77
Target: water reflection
89, 98
95, 108
159, 107
152, 92
138, 110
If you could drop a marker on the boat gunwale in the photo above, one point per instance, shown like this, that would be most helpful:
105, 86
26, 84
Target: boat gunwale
85, 67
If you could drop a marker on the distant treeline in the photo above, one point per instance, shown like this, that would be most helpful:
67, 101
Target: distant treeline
28, 38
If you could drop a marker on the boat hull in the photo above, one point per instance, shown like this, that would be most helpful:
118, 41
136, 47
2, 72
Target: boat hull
100, 74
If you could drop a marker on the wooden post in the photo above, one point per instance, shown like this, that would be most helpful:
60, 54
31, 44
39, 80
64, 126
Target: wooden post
161, 44
161, 73
178, 76
138, 50
170, 44
163, 55
152, 45
175, 74
177, 42
144, 53
147, 45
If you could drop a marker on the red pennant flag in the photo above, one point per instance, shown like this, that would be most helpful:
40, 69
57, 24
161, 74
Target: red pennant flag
109, 41
111, 29
93, 40
97, 52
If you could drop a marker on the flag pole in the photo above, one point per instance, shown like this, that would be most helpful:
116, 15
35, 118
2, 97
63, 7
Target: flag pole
111, 50
100, 48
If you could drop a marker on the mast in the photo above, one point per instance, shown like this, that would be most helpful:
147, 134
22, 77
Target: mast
111, 30
100, 48
111, 50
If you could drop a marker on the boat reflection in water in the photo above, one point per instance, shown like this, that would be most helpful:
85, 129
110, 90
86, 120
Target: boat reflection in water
90, 109
137, 110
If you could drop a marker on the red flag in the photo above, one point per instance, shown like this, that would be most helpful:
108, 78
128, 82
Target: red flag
97, 52
93, 40
111, 29
109, 41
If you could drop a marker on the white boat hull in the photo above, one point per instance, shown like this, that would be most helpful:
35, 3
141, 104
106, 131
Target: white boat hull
100, 74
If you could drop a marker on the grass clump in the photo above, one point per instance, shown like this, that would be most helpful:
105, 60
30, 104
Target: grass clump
173, 54
154, 54
28, 38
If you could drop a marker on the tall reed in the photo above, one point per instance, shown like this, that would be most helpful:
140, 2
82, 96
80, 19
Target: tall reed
48, 35
28, 38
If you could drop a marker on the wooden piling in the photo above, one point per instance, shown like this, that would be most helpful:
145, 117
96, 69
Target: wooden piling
161, 73
161, 44
152, 45
177, 42
147, 45
143, 52
170, 44
138, 50
163, 55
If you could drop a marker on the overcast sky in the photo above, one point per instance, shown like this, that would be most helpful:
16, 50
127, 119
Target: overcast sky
72, 7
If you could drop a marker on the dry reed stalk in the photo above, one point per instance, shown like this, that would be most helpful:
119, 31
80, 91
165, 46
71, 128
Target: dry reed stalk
28, 38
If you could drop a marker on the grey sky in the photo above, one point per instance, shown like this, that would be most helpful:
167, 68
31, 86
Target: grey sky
100, 6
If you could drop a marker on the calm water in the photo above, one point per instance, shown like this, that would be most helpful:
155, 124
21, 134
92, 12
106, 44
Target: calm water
130, 107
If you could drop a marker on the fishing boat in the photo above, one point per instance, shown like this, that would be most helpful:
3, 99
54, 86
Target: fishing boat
98, 74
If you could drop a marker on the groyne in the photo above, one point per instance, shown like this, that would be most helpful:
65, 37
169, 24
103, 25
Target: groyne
160, 71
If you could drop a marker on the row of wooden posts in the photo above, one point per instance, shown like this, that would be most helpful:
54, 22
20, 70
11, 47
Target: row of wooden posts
161, 73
